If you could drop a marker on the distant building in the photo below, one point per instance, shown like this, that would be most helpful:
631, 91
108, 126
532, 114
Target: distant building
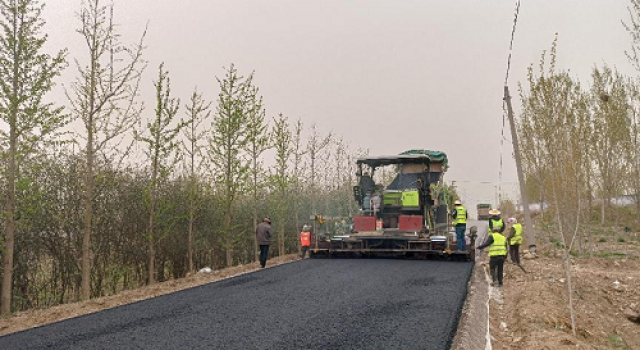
534, 208
623, 201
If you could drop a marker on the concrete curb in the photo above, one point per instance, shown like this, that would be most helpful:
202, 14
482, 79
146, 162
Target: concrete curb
473, 327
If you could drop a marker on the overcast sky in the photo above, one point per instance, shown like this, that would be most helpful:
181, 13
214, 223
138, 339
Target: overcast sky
386, 75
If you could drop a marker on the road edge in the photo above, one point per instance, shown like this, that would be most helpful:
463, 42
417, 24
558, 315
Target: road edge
473, 326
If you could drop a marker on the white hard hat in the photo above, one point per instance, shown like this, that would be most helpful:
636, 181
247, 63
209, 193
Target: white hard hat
457, 202
494, 212
511, 221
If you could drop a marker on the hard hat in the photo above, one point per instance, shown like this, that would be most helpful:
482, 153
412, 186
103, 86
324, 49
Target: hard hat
457, 202
494, 212
511, 221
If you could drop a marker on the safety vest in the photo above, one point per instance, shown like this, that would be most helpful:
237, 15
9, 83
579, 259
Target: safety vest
499, 245
517, 237
461, 215
496, 224
305, 239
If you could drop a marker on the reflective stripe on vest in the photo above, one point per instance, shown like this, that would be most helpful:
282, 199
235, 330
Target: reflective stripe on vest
499, 245
517, 237
496, 223
461, 215
305, 239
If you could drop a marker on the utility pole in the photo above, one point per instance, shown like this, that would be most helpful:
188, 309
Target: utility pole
530, 236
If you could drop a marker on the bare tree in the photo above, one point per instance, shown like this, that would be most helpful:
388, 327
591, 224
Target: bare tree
315, 145
198, 111
104, 98
610, 122
298, 153
280, 178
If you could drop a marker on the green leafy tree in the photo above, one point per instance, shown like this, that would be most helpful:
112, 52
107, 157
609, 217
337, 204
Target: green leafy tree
227, 145
280, 178
257, 143
26, 76
161, 141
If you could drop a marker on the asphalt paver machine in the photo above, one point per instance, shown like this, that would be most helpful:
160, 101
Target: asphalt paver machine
401, 218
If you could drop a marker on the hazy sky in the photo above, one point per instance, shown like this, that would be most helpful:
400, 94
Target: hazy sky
387, 75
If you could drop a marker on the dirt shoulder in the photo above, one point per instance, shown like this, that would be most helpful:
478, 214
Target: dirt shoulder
534, 310
39, 317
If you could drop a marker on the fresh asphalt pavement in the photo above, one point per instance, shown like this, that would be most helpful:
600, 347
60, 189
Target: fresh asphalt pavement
309, 304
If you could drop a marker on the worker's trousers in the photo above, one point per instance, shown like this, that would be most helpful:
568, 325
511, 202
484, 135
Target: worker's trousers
514, 251
461, 240
303, 251
264, 253
496, 265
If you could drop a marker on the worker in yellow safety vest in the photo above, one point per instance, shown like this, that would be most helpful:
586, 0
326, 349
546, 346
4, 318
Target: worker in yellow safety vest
495, 221
497, 244
515, 240
305, 240
459, 215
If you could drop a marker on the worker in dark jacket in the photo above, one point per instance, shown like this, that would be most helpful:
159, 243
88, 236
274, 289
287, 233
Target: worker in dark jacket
497, 244
263, 236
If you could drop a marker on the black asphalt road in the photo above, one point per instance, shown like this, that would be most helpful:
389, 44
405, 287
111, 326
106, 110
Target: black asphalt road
311, 304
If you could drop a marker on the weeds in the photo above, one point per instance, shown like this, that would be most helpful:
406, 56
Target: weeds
618, 342
611, 255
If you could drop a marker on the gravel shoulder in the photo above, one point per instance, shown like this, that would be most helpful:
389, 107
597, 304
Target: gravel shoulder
311, 304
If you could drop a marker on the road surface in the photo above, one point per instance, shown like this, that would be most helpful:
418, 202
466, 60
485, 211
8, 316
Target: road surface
310, 304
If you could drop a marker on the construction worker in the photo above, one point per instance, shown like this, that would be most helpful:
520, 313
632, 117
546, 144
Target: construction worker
515, 240
496, 221
497, 244
459, 215
305, 240
263, 236
376, 202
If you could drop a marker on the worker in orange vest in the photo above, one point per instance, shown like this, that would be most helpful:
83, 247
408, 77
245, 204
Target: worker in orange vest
305, 240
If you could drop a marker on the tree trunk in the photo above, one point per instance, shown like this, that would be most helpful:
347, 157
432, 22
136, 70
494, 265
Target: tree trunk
9, 230
88, 218
190, 238
281, 229
151, 248
229, 238
254, 223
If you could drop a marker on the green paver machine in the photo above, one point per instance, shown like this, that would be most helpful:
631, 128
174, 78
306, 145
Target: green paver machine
401, 217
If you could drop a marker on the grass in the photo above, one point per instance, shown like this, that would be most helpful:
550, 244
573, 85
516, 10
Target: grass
618, 342
621, 240
602, 240
556, 242
611, 255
